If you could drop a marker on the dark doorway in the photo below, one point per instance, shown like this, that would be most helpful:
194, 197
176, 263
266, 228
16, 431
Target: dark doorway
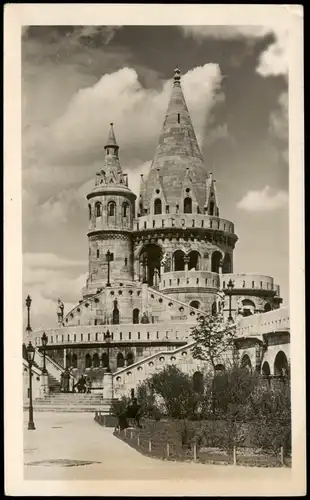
152, 254
194, 259
187, 205
178, 257
135, 316
215, 261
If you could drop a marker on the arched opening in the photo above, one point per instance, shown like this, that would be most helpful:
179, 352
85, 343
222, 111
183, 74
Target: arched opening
187, 205
281, 365
219, 368
68, 360
74, 360
178, 259
195, 304
266, 369
213, 309
89, 211
248, 307
227, 264
157, 206
267, 307
135, 316
198, 384
212, 207
115, 316
125, 209
246, 363
194, 260
111, 209
120, 361
87, 361
96, 360
105, 360
98, 209
150, 257
215, 261
129, 358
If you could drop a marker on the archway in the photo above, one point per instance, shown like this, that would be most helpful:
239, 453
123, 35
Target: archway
120, 361
195, 304
248, 307
87, 361
115, 314
157, 207
227, 264
96, 361
74, 360
135, 316
187, 205
129, 358
266, 369
198, 384
246, 363
194, 260
215, 261
178, 260
152, 255
281, 365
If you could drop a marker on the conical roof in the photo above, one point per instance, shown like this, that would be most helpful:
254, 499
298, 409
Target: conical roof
177, 159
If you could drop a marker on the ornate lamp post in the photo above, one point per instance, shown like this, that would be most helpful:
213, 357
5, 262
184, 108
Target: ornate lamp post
28, 305
107, 338
44, 340
30, 358
230, 286
110, 258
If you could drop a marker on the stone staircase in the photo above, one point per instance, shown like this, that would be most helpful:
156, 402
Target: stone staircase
71, 402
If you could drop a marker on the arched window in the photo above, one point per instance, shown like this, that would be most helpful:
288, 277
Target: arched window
89, 211
227, 264
187, 205
115, 316
266, 369
248, 307
105, 360
178, 257
157, 206
125, 209
212, 208
194, 260
213, 311
195, 304
246, 362
215, 261
98, 209
129, 358
120, 361
198, 384
111, 208
87, 361
74, 360
135, 316
96, 361
281, 365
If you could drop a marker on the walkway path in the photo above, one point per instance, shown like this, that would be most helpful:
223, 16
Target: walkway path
63, 439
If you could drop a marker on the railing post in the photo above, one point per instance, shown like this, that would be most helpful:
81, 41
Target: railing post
125, 432
282, 456
150, 445
131, 435
168, 450
195, 451
138, 440
234, 456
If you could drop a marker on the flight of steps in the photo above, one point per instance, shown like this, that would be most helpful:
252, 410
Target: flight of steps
71, 402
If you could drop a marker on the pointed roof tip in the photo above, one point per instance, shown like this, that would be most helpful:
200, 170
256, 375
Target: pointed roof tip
177, 75
111, 141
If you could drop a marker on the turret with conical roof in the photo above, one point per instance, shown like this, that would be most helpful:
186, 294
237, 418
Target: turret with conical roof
111, 207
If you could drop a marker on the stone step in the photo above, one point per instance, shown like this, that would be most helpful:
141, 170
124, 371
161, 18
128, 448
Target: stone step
71, 409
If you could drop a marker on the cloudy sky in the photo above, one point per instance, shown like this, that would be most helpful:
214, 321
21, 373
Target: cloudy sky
76, 80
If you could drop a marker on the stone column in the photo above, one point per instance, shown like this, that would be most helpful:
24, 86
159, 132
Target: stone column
108, 386
65, 360
221, 266
44, 384
186, 262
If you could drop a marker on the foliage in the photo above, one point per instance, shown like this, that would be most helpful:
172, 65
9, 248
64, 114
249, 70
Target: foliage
213, 338
120, 406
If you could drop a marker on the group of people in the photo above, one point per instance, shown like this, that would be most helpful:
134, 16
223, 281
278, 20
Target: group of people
68, 383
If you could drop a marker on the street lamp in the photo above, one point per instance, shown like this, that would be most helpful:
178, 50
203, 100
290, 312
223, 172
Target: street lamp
107, 338
28, 305
230, 286
30, 358
110, 258
44, 340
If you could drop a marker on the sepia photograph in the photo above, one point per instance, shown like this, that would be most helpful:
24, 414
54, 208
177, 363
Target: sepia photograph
156, 285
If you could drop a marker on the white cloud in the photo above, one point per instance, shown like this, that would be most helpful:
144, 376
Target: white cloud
264, 200
273, 61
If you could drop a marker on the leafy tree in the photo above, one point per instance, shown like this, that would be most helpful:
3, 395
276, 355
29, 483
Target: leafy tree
213, 338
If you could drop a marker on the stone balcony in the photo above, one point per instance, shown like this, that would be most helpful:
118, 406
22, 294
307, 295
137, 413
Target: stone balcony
269, 322
189, 279
253, 283
183, 221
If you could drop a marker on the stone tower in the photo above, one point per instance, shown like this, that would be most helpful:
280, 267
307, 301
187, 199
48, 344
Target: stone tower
181, 244
111, 208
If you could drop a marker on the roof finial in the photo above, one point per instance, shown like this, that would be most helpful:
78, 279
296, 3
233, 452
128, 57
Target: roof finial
177, 75
111, 141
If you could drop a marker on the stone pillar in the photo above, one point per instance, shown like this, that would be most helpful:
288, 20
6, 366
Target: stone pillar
65, 360
186, 262
44, 384
221, 266
144, 297
108, 385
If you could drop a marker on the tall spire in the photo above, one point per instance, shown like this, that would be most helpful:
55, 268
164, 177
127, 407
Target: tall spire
111, 141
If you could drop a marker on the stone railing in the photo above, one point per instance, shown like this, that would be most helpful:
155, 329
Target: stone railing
189, 279
250, 281
119, 333
185, 221
259, 324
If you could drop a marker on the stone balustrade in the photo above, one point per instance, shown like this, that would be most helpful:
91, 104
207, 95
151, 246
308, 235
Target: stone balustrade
259, 324
183, 221
119, 333
250, 281
189, 279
